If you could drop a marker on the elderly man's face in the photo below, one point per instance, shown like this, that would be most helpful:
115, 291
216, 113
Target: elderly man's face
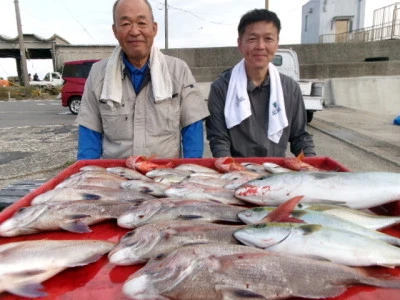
258, 44
135, 30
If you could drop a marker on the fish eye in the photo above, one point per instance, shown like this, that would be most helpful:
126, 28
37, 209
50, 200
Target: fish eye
129, 234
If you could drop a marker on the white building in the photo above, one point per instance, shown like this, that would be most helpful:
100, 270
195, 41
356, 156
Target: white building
331, 17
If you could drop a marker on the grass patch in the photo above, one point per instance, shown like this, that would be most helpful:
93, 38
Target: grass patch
32, 92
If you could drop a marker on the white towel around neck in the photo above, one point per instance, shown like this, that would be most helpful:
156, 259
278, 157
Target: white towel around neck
160, 77
238, 108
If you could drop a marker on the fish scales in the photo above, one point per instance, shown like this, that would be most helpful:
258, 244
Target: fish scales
223, 271
352, 189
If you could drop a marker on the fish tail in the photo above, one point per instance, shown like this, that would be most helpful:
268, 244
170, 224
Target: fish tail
380, 277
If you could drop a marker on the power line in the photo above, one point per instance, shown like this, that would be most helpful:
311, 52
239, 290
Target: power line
193, 14
83, 27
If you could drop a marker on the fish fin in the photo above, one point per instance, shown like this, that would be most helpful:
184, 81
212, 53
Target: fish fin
89, 196
310, 228
29, 290
77, 216
77, 226
189, 217
230, 292
146, 190
283, 211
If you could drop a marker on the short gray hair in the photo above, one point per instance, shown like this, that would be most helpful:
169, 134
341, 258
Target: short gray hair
145, 1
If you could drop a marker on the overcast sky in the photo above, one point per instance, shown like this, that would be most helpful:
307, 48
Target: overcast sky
191, 24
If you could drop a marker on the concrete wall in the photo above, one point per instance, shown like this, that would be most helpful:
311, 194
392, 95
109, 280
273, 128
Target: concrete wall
341, 66
317, 61
374, 94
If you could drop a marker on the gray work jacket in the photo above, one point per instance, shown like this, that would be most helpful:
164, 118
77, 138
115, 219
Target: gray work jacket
139, 125
249, 140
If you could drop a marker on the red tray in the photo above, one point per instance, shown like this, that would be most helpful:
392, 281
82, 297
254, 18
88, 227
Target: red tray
102, 280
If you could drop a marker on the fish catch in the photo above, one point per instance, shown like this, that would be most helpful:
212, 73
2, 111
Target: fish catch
74, 216
195, 191
155, 210
89, 193
259, 214
362, 218
24, 265
234, 271
151, 240
352, 189
321, 242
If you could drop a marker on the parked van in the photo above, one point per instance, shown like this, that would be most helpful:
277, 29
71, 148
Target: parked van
74, 75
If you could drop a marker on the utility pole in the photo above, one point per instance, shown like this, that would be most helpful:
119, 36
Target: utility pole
22, 51
166, 24
266, 4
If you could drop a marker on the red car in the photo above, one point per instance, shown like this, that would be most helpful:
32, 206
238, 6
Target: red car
74, 75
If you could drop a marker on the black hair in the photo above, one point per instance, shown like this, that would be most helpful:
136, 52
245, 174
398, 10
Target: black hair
257, 15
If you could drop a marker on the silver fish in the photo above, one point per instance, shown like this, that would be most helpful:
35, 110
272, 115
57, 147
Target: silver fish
169, 179
167, 171
238, 272
195, 168
24, 265
74, 216
128, 173
257, 214
197, 191
92, 168
77, 181
156, 189
362, 218
151, 240
352, 189
257, 168
94, 193
208, 181
275, 168
183, 209
321, 242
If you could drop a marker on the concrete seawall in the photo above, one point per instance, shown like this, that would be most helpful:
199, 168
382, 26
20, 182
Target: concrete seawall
377, 94
380, 94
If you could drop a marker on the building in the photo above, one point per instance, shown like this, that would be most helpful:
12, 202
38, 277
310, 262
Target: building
332, 19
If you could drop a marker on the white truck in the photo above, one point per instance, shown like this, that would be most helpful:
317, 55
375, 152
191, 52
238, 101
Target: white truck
287, 63
50, 80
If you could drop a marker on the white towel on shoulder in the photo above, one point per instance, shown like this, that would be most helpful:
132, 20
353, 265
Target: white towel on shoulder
238, 108
160, 77
277, 119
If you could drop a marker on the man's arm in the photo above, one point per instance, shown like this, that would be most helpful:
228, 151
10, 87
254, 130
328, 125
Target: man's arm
300, 140
89, 143
217, 133
193, 140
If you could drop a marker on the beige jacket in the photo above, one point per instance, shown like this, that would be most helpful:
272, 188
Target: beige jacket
139, 126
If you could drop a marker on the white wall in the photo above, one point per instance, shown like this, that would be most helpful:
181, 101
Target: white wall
320, 20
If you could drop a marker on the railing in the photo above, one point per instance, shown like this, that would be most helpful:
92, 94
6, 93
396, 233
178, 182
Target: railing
375, 33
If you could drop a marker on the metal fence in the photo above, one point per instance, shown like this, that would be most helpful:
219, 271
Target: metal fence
386, 31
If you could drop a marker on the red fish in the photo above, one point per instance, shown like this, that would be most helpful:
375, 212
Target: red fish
228, 164
297, 163
144, 165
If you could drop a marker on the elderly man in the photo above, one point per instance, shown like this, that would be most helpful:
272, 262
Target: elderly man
254, 110
140, 101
